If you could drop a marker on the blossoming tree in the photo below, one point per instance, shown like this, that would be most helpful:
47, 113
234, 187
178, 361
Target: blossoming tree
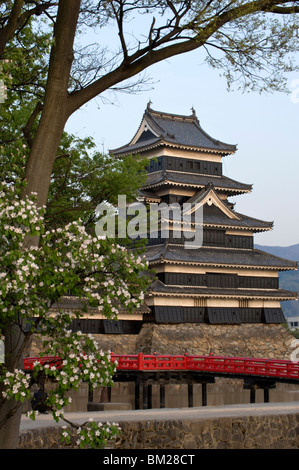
253, 41
99, 272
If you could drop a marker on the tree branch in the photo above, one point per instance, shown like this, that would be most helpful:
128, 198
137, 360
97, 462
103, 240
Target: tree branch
282, 10
17, 20
119, 19
8, 31
149, 55
27, 129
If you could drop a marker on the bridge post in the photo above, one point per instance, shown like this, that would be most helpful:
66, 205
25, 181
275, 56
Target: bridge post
190, 395
137, 394
252, 395
144, 396
254, 383
251, 385
149, 396
204, 394
162, 396
90, 395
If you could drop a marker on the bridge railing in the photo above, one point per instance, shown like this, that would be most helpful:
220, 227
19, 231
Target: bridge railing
45, 360
152, 362
268, 367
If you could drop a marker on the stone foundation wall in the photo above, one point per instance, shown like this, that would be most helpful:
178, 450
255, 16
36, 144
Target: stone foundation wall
253, 432
247, 340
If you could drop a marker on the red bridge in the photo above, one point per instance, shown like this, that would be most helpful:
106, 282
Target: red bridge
232, 365
263, 367
146, 370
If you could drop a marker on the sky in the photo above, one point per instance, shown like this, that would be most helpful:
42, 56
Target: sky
265, 129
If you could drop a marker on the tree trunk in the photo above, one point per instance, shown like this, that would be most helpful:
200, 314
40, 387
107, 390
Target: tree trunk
10, 410
54, 115
44, 150
38, 175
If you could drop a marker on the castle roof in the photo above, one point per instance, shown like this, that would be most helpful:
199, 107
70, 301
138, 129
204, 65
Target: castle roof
195, 181
217, 213
172, 130
159, 287
73, 303
219, 257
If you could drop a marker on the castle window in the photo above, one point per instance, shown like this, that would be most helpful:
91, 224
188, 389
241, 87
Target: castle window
200, 302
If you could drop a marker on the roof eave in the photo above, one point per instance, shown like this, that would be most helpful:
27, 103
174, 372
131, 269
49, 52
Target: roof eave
231, 191
160, 289
126, 150
163, 260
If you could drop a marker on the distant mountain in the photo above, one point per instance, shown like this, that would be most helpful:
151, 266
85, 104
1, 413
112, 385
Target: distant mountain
288, 252
288, 280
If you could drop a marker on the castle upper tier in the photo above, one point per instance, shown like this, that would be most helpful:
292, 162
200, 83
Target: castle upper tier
225, 279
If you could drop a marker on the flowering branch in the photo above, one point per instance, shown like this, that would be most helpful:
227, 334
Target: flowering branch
102, 275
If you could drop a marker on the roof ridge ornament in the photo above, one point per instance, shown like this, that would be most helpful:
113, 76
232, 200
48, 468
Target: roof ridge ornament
194, 114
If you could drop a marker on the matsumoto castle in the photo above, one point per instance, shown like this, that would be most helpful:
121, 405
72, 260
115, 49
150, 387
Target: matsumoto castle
223, 281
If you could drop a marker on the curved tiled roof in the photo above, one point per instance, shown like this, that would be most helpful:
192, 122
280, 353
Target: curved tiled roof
160, 288
210, 256
159, 128
214, 217
159, 178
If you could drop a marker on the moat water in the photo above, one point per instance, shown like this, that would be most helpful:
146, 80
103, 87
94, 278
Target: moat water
176, 396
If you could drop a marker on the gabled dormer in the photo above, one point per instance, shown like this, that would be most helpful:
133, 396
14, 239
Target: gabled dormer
209, 197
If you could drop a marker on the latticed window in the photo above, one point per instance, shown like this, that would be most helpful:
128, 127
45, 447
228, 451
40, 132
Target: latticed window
243, 303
